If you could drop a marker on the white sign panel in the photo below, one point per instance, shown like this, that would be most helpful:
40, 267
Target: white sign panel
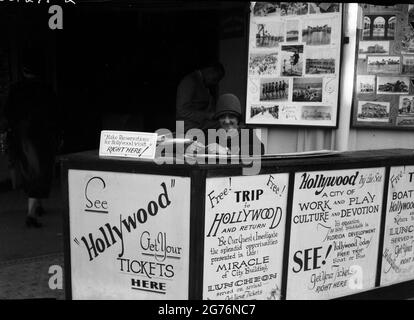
398, 253
335, 231
129, 235
128, 144
244, 237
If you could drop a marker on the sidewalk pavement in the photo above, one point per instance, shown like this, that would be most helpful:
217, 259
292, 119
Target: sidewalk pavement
26, 254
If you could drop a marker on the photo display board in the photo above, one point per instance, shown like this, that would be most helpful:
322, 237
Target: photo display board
398, 253
335, 230
294, 63
129, 235
244, 237
384, 74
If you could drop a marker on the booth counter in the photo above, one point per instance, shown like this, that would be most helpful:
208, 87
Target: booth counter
321, 227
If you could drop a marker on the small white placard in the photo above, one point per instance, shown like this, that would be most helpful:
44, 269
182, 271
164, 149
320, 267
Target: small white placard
128, 144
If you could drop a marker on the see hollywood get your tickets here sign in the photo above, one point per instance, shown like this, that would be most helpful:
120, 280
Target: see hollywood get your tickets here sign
129, 235
398, 253
335, 230
244, 237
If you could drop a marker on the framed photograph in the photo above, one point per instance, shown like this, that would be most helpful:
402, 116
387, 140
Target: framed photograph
379, 27
264, 112
267, 9
365, 84
318, 62
317, 32
294, 8
405, 121
392, 85
411, 11
291, 61
323, 7
406, 106
377, 111
372, 8
269, 34
307, 90
321, 113
294, 64
407, 40
274, 89
373, 47
384, 71
407, 65
384, 64
263, 63
277, 9
292, 30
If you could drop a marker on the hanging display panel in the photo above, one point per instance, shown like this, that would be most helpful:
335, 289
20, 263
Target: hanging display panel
294, 63
384, 74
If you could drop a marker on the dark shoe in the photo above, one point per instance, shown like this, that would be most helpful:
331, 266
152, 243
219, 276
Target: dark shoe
33, 222
40, 211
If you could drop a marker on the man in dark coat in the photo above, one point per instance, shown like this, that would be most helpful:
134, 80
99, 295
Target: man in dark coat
195, 103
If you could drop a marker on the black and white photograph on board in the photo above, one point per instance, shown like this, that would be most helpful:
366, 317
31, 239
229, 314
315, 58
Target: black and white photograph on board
323, 7
406, 106
291, 61
274, 89
307, 89
379, 27
407, 65
270, 34
411, 11
264, 112
383, 64
262, 63
317, 32
292, 30
365, 84
373, 48
294, 8
392, 85
405, 121
407, 40
373, 8
320, 61
373, 111
316, 113
267, 9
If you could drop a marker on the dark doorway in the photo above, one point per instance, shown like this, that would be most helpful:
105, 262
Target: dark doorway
119, 68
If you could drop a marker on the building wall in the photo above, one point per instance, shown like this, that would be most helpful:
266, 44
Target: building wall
233, 54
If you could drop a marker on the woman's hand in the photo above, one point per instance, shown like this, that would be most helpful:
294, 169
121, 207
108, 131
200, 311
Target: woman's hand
232, 132
215, 148
195, 147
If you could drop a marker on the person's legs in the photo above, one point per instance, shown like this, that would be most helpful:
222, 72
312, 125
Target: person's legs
31, 219
31, 170
32, 204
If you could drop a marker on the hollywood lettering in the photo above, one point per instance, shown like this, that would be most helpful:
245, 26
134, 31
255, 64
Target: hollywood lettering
397, 205
321, 181
111, 234
272, 214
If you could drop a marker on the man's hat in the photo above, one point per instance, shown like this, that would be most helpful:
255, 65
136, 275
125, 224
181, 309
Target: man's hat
228, 103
